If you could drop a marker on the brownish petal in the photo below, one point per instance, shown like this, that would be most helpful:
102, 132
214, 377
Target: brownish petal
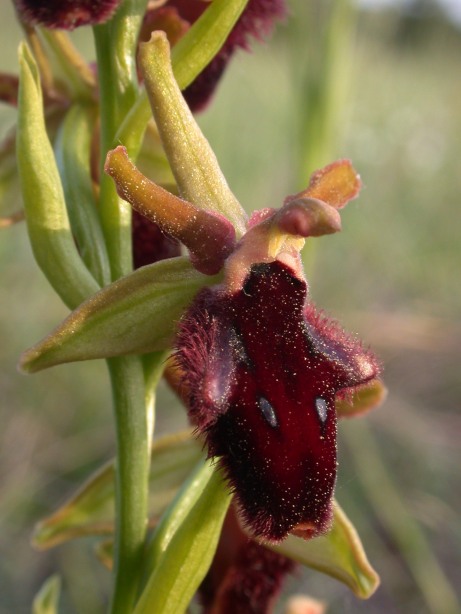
335, 184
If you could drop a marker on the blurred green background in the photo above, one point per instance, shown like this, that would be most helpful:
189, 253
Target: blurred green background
392, 275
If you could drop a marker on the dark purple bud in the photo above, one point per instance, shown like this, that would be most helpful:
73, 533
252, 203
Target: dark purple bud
252, 583
244, 576
168, 19
257, 21
66, 14
150, 244
262, 368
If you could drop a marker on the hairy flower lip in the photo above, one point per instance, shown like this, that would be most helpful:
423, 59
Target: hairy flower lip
262, 368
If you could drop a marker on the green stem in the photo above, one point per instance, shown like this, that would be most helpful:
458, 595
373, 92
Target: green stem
132, 474
115, 43
115, 214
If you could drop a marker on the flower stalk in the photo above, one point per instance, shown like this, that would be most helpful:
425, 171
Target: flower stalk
116, 54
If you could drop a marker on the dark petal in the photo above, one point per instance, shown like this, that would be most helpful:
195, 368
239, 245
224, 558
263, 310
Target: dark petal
9, 89
206, 358
199, 93
66, 14
257, 20
252, 583
352, 364
166, 18
190, 10
275, 429
150, 244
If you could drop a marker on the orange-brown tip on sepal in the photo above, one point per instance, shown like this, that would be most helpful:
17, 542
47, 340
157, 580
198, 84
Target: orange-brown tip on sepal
335, 184
209, 237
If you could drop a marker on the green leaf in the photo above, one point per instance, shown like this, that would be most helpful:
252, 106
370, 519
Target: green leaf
185, 543
135, 315
195, 50
46, 600
362, 399
91, 510
195, 167
73, 151
47, 221
339, 554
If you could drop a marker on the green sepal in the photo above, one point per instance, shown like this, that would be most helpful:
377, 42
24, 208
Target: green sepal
73, 151
46, 600
136, 314
193, 162
195, 50
185, 542
91, 510
47, 221
339, 554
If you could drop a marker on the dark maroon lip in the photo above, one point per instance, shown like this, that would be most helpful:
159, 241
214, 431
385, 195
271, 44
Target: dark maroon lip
262, 367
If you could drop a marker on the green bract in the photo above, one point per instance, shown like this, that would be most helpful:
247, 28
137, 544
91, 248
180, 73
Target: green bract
202, 42
185, 543
47, 221
91, 510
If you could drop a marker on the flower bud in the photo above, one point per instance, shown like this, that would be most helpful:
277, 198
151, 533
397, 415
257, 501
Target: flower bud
66, 14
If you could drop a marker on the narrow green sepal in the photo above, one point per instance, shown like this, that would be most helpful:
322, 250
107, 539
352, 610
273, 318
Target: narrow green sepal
136, 314
339, 554
194, 165
47, 221
194, 51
